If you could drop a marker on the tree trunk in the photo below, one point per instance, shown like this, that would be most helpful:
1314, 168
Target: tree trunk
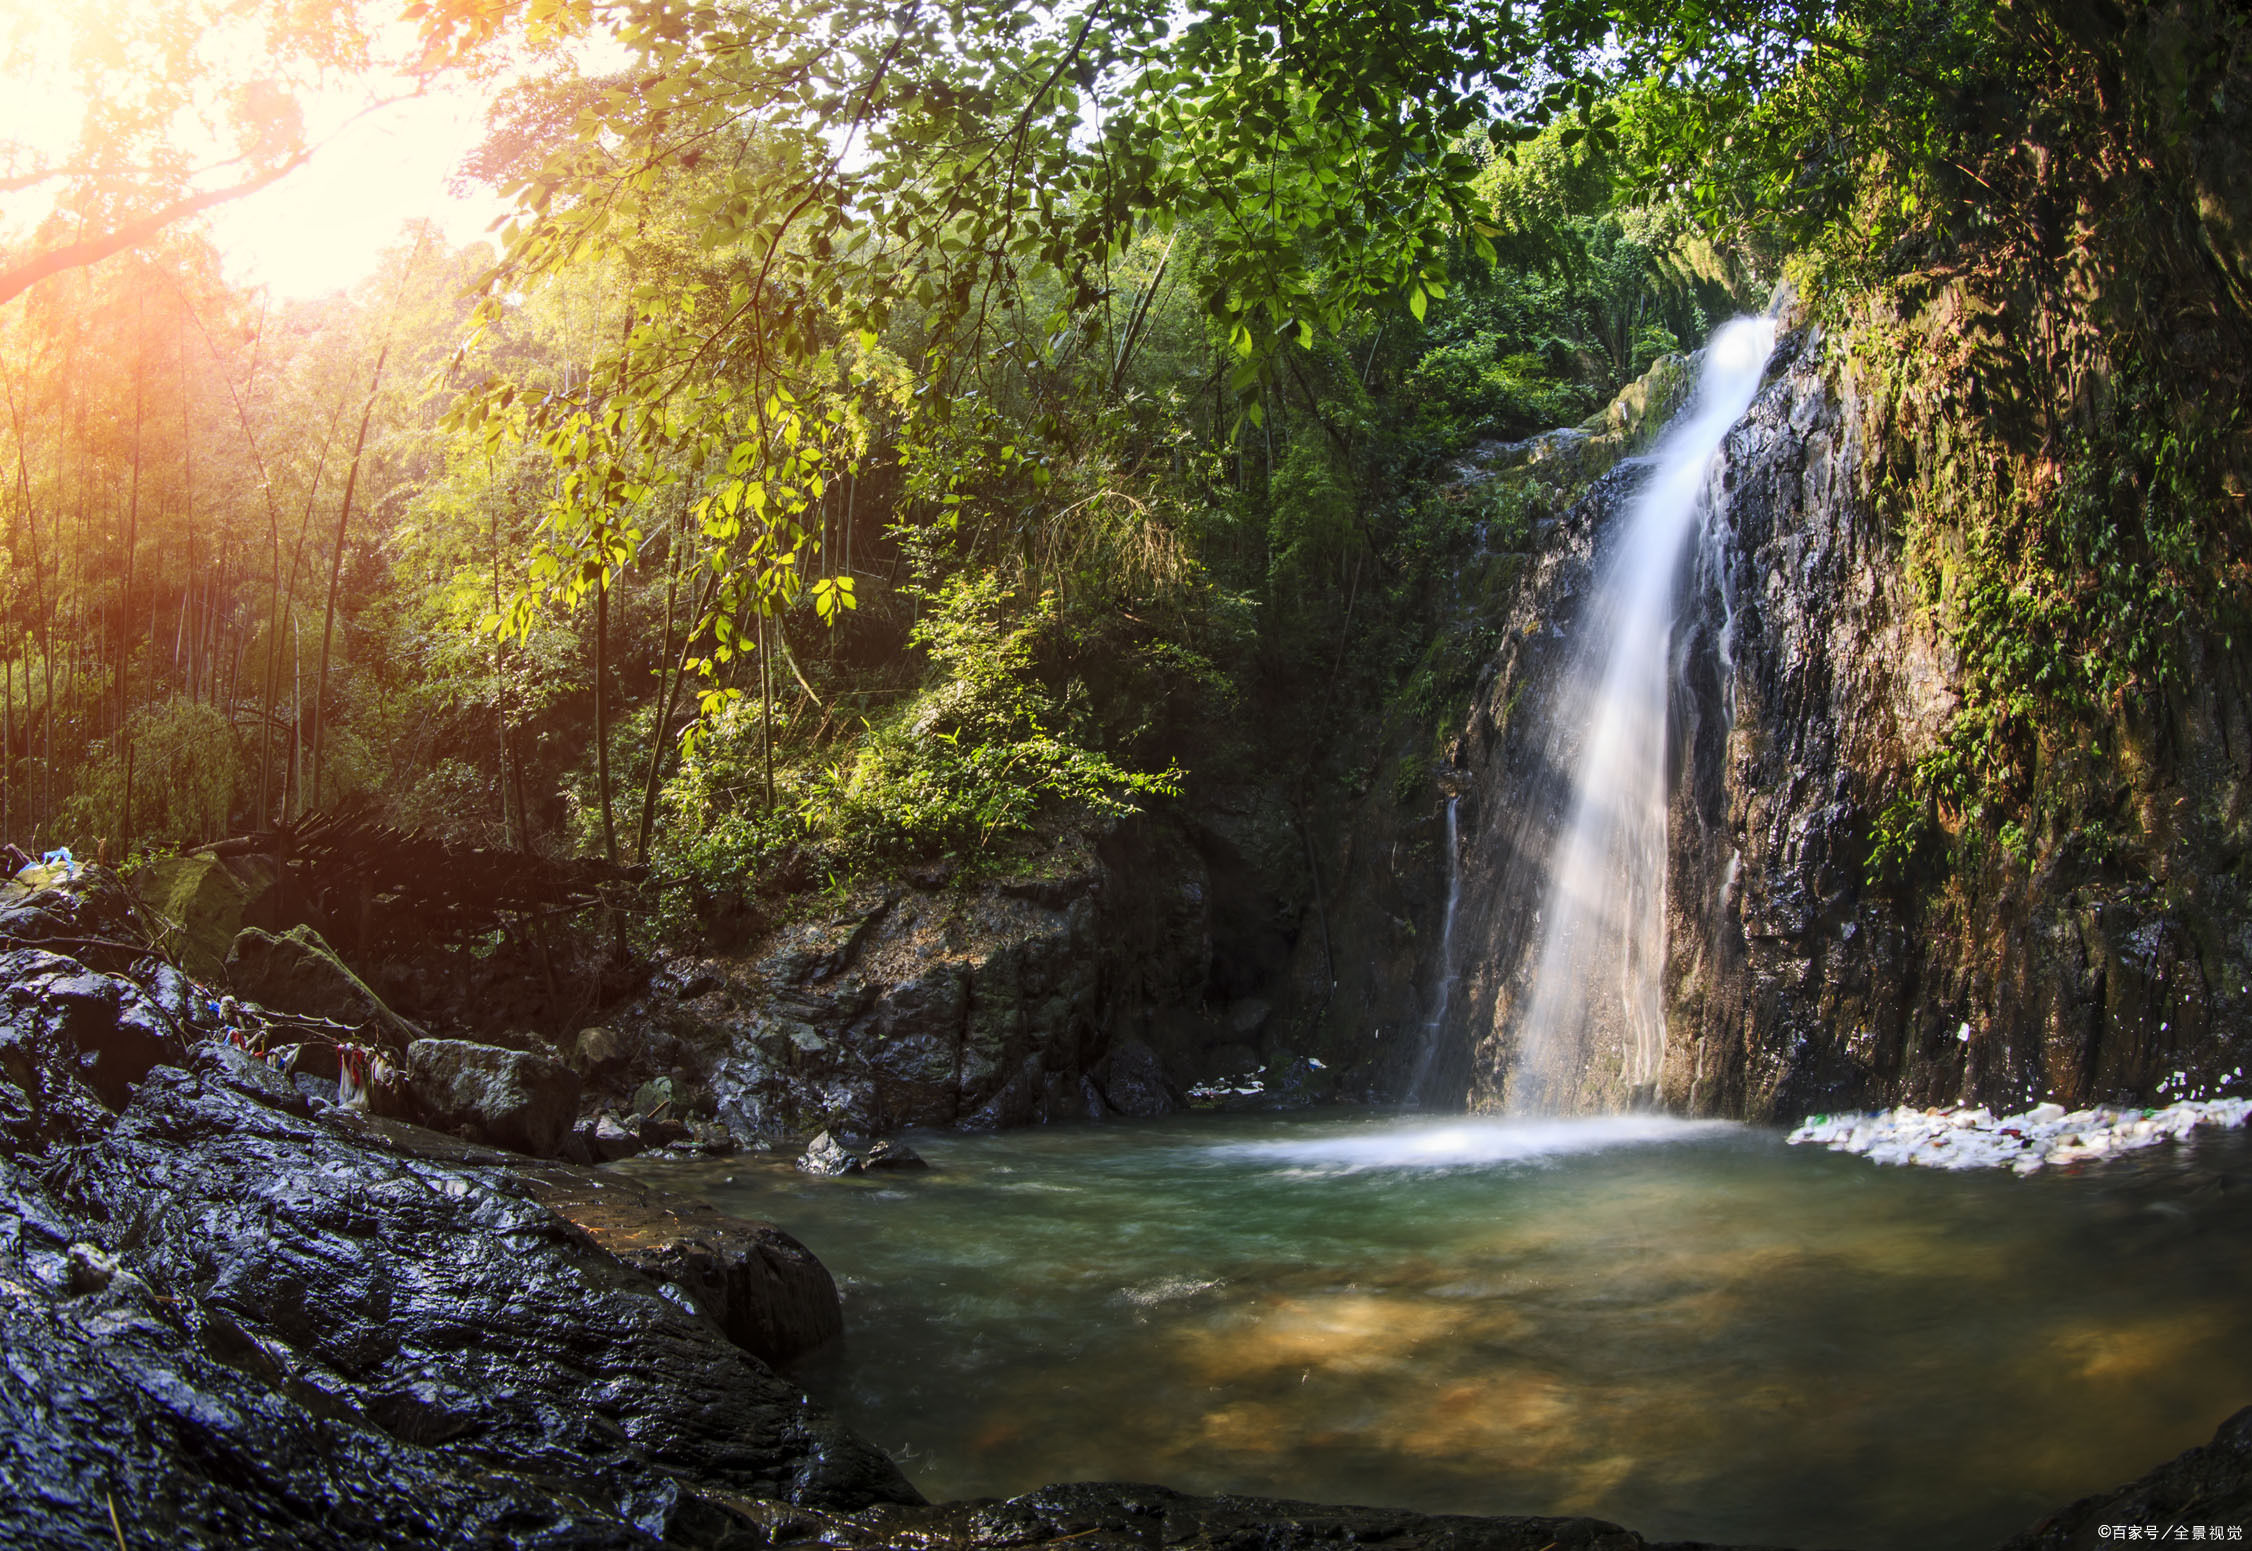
336, 563
602, 713
125, 617
766, 704
344, 515
667, 699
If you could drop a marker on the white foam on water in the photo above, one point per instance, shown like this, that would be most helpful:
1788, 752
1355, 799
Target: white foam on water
1167, 1289
1469, 1143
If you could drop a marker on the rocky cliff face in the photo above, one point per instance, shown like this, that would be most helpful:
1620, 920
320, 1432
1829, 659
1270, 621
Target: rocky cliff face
1126, 968
1810, 680
2076, 970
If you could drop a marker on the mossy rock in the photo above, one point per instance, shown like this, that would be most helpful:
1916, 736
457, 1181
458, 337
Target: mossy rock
1644, 405
297, 972
209, 899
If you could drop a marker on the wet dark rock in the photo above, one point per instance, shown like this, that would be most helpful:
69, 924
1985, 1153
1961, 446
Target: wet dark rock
891, 1155
597, 1051
511, 1098
56, 1012
296, 972
2208, 1485
1134, 1082
221, 1307
826, 1155
763, 1289
610, 1140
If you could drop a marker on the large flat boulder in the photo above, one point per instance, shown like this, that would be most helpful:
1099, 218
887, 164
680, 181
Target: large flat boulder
295, 971
510, 1098
208, 900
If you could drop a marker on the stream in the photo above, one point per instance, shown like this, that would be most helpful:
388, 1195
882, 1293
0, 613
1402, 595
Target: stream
1688, 1327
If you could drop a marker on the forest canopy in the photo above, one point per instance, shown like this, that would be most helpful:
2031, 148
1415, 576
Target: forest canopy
884, 430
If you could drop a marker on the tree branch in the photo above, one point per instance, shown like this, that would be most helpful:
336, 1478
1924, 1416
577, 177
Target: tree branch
19, 278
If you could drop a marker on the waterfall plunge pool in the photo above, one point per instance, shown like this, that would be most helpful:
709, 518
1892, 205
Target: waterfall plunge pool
1688, 1328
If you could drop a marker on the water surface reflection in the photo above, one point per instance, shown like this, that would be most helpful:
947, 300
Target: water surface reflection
1691, 1329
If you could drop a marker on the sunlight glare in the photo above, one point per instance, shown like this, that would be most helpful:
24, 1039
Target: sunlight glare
320, 228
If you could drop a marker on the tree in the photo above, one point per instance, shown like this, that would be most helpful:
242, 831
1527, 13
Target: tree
826, 169
180, 106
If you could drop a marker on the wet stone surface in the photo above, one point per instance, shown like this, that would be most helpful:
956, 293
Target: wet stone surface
248, 1321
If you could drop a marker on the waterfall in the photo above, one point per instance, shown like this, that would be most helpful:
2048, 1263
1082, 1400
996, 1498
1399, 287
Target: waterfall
1592, 1023
1438, 1018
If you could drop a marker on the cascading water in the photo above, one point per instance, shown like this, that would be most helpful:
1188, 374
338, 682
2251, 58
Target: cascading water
1438, 1018
1592, 1026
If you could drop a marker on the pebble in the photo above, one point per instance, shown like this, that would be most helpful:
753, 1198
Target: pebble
1959, 1138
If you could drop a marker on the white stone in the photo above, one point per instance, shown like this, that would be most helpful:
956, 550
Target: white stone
1963, 1138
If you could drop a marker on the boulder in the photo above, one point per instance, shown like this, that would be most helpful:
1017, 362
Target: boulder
298, 972
826, 1155
763, 1289
611, 1141
67, 900
209, 900
54, 1011
892, 1155
1134, 1082
598, 1050
653, 1099
510, 1098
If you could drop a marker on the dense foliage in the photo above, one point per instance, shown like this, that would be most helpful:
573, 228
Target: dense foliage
888, 431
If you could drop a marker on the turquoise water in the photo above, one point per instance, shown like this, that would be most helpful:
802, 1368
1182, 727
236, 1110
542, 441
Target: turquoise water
1693, 1330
